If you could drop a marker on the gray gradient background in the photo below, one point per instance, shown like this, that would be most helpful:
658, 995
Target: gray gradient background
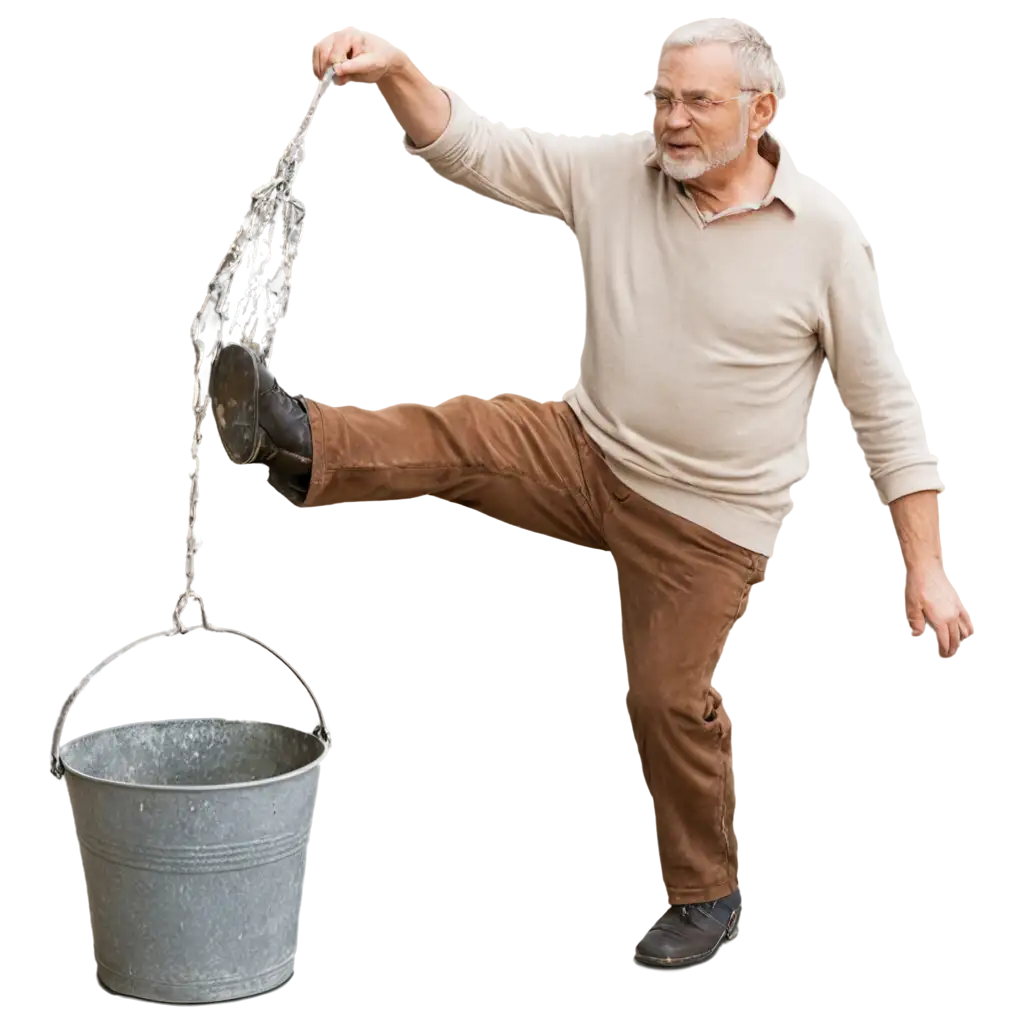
120, 183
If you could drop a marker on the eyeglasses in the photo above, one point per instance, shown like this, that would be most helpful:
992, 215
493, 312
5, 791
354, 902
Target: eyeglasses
697, 107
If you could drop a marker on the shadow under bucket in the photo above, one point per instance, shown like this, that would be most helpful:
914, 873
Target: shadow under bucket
193, 836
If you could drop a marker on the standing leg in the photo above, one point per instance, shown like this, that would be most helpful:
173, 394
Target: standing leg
509, 457
682, 588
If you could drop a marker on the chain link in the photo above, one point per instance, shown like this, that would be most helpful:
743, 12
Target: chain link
253, 246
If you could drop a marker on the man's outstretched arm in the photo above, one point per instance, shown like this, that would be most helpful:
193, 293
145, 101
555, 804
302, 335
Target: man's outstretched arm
531, 170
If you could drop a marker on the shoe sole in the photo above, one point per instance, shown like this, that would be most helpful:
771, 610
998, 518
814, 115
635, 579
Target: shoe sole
234, 394
653, 961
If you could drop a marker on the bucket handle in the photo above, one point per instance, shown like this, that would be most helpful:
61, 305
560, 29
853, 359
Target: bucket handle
57, 766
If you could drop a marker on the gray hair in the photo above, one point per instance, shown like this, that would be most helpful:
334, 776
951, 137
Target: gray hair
754, 60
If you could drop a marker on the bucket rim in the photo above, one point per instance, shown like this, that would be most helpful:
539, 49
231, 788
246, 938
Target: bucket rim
250, 784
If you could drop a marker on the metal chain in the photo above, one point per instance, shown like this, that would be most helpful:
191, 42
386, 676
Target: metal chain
254, 240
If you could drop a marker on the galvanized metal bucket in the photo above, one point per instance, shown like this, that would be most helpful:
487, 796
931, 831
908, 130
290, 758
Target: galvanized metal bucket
193, 836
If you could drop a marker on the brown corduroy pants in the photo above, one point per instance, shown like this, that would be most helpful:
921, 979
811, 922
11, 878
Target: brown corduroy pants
681, 586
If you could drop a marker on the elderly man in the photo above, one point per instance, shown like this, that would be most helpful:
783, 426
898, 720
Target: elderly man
718, 279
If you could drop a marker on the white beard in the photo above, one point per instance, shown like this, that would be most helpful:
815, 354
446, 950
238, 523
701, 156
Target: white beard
694, 166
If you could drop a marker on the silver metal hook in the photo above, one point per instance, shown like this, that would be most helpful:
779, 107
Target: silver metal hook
180, 607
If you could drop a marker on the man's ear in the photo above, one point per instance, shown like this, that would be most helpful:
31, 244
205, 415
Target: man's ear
767, 107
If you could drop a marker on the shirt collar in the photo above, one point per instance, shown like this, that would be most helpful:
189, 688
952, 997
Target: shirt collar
786, 184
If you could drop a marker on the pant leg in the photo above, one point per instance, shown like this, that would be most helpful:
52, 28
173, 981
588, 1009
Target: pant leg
510, 457
682, 588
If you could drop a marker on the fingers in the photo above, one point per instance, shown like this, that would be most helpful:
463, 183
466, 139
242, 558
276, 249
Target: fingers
917, 622
359, 65
354, 56
321, 53
953, 632
951, 635
960, 628
315, 58
335, 48
966, 626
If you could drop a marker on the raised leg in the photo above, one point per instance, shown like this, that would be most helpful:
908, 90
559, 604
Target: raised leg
510, 457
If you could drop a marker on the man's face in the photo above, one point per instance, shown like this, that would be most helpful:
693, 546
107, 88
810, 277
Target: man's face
690, 144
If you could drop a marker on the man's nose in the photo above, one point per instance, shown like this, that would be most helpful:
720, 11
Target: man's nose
679, 117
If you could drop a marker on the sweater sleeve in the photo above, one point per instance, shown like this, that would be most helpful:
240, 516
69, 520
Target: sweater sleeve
518, 166
870, 379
